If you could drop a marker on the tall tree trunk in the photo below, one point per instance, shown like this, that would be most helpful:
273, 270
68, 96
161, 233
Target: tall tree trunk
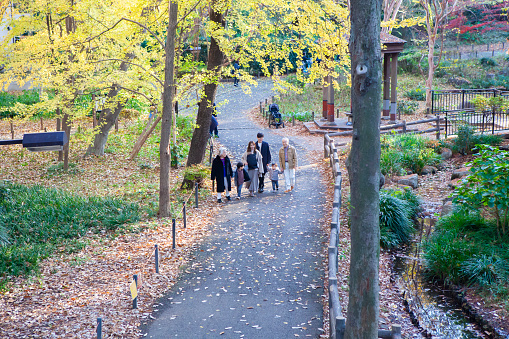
364, 170
201, 134
168, 96
431, 71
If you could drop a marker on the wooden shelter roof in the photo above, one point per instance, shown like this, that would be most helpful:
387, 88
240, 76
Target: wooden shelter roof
391, 43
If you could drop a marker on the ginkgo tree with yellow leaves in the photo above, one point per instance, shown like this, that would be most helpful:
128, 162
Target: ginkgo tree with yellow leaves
114, 50
270, 33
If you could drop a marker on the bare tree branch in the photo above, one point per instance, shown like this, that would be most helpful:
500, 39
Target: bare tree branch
136, 92
131, 63
189, 12
134, 22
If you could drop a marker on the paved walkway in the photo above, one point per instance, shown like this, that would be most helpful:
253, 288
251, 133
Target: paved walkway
259, 274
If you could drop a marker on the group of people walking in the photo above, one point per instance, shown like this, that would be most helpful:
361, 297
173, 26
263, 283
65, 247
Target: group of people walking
250, 172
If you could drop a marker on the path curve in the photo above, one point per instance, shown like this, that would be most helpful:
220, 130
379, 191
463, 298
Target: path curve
260, 272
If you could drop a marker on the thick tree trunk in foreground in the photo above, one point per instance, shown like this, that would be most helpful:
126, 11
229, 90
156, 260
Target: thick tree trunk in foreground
201, 134
168, 96
364, 170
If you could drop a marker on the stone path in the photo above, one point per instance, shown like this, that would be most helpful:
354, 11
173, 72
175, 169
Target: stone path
259, 274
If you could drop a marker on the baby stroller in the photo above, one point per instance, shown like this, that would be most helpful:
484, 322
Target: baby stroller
275, 118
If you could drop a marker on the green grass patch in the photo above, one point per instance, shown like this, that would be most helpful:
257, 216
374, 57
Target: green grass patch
465, 249
40, 221
398, 210
406, 152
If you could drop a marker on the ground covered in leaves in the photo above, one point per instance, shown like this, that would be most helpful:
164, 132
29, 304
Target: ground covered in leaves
72, 290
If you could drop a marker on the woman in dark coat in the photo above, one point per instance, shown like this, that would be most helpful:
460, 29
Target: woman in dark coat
222, 172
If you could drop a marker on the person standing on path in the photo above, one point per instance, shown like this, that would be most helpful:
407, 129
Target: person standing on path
240, 177
252, 158
263, 147
222, 172
235, 69
288, 162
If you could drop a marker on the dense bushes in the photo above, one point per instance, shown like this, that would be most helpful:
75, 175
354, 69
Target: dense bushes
38, 221
418, 94
299, 116
407, 107
398, 210
487, 187
8, 100
464, 249
406, 152
467, 140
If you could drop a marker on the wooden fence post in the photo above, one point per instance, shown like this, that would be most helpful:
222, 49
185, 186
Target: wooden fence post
438, 127
12, 130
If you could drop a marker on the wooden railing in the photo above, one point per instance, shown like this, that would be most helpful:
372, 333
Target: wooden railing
336, 318
395, 128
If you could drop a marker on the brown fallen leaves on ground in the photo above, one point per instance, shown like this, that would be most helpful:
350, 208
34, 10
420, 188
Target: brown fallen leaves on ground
71, 291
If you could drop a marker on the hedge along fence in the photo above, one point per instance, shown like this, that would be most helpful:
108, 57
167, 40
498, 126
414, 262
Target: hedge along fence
336, 319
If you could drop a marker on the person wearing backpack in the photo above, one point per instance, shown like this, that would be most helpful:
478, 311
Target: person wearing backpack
252, 158
263, 147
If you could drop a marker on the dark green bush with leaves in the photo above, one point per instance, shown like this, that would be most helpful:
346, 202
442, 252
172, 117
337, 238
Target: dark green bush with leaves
39, 221
468, 138
487, 187
418, 94
8, 100
195, 174
406, 152
407, 107
465, 249
487, 62
299, 116
398, 209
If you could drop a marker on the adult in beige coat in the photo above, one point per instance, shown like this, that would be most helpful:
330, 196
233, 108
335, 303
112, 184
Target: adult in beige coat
252, 159
288, 163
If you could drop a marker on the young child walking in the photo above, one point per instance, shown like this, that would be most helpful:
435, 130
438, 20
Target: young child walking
240, 177
274, 176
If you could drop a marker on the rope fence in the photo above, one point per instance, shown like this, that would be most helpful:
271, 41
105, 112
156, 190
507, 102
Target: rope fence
134, 284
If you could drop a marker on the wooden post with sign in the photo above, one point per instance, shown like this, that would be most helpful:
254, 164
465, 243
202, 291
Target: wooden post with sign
134, 291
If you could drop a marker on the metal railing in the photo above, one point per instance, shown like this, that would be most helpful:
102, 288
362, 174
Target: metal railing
456, 109
336, 319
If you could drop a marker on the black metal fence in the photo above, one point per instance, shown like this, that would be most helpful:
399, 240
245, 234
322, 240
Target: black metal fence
455, 109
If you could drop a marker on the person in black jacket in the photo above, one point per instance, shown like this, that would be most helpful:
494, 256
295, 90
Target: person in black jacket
264, 149
222, 172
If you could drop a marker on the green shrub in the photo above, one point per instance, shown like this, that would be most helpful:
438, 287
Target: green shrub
39, 220
7, 100
418, 94
396, 225
406, 152
408, 62
488, 186
407, 107
467, 139
488, 62
462, 249
390, 161
299, 116
482, 269
195, 174
444, 252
